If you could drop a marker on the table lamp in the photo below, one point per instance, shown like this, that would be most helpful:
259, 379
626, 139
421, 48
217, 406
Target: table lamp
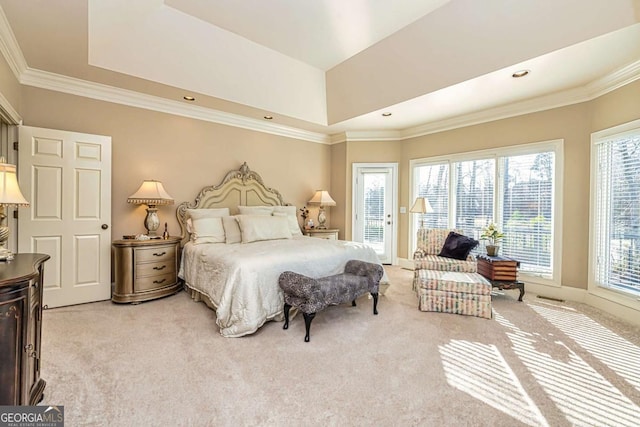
421, 206
323, 199
151, 193
10, 195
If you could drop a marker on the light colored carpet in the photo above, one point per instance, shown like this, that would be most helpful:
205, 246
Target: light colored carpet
163, 363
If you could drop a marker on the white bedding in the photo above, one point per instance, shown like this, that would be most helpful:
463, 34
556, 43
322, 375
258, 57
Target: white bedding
241, 279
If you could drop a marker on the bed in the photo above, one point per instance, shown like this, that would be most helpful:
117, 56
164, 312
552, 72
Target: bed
236, 272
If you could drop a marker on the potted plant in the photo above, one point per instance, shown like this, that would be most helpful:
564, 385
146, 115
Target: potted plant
493, 235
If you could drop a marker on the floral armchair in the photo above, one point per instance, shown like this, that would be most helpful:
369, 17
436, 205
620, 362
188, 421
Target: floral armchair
429, 245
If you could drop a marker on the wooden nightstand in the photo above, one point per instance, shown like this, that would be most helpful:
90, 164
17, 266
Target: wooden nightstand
145, 269
327, 233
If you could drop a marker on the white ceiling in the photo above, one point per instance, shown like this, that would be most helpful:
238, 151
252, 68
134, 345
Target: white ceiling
335, 66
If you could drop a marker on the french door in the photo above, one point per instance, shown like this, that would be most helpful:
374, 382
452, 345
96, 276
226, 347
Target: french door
374, 222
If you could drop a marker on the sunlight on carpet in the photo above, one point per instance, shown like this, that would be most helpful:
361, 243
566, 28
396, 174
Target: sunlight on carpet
481, 371
583, 395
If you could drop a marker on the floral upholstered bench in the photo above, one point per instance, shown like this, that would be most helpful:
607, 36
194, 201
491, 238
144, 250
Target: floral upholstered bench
312, 295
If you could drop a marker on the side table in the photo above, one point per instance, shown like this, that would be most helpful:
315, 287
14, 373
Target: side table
501, 272
145, 269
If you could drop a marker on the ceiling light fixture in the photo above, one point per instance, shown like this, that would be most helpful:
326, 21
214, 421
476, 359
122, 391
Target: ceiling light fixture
520, 73
189, 98
268, 117
387, 114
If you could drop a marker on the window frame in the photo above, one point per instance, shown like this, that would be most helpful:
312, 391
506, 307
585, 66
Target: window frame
593, 287
498, 153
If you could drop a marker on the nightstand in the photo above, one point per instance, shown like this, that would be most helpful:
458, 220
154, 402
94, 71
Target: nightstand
145, 269
327, 233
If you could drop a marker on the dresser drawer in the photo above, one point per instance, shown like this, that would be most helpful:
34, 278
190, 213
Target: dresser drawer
158, 253
154, 282
155, 268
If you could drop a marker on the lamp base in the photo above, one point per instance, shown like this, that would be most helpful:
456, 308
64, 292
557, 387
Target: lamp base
151, 221
322, 219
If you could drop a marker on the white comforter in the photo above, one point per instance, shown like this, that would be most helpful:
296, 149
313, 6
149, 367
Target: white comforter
241, 279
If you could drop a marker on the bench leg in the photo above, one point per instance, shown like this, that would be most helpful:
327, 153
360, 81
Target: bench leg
375, 303
287, 307
307, 324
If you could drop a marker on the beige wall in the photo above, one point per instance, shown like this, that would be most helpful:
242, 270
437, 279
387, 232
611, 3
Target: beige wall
185, 154
339, 174
9, 86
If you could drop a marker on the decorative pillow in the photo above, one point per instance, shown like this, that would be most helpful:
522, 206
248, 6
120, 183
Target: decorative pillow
255, 210
262, 227
199, 213
457, 246
207, 230
231, 229
206, 225
290, 212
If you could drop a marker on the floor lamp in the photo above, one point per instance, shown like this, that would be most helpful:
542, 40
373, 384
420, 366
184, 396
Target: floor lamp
421, 206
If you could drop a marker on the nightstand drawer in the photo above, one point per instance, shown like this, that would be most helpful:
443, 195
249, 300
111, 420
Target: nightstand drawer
154, 282
160, 253
155, 268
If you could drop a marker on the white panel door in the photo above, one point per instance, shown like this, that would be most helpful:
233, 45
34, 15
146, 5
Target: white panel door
67, 178
374, 203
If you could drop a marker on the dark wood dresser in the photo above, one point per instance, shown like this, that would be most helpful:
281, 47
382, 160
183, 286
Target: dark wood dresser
20, 329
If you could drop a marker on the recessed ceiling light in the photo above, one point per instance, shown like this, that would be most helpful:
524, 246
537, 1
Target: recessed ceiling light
387, 114
520, 73
189, 98
268, 117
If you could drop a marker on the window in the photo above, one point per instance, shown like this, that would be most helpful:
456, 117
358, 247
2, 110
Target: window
527, 211
616, 211
515, 187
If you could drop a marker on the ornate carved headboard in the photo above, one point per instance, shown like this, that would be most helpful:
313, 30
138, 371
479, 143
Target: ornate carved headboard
241, 187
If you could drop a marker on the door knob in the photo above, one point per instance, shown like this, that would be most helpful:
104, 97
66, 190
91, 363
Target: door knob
105, 226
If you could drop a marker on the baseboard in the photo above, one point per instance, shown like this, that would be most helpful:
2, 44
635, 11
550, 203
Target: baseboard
569, 293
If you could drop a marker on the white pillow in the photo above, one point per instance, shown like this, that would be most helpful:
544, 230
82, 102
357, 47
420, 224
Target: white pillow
231, 229
199, 213
255, 210
207, 230
206, 225
291, 213
263, 227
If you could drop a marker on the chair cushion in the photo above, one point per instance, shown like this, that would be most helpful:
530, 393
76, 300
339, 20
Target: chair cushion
457, 246
435, 262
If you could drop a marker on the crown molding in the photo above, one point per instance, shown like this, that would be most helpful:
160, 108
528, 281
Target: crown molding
102, 92
369, 136
9, 47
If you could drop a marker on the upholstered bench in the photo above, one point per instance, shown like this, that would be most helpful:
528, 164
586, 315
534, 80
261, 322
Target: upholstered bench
454, 292
312, 295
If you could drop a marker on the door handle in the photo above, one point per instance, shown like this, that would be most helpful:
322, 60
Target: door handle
105, 226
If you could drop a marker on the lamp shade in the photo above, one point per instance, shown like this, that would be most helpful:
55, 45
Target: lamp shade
421, 205
10, 194
322, 198
151, 192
